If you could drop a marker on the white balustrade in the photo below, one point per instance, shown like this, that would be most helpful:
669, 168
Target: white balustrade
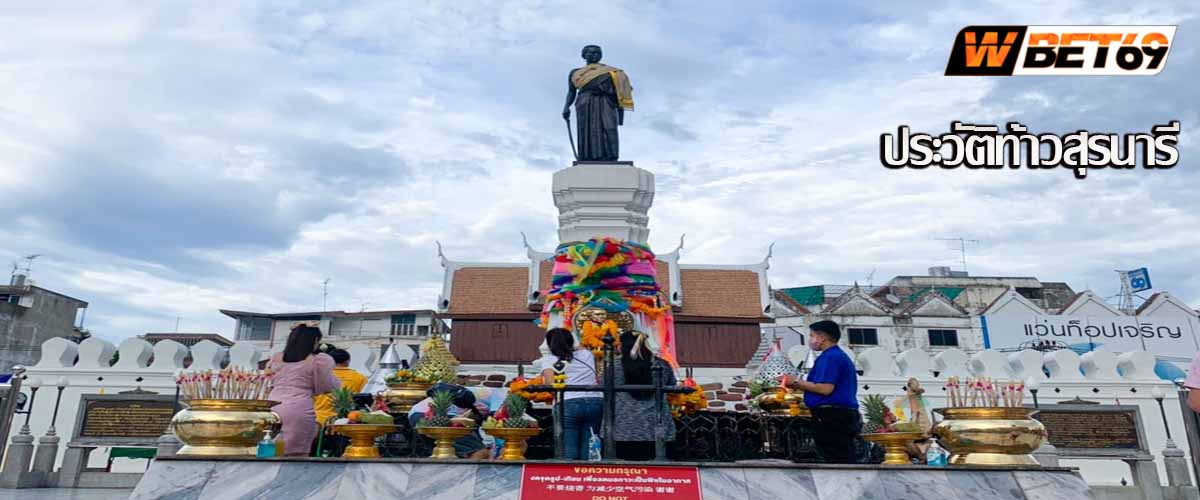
876, 362
95, 352
951, 363
914, 363
134, 353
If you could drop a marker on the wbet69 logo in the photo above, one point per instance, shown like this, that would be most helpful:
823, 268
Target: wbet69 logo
1060, 50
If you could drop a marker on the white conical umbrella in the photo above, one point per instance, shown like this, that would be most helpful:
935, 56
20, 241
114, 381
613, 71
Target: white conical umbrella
775, 365
388, 365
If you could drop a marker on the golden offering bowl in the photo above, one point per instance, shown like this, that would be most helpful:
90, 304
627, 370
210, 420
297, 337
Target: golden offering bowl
224, 427
401, 397
444, 438
514, 440
990, 435
790, 405
362, 438
895, 445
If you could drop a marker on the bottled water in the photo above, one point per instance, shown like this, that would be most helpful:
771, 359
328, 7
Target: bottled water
936, 455
266, 447
594, 448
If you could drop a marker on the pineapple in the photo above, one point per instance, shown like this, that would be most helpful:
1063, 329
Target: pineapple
440, 408
874, 406
516, 406
343, 402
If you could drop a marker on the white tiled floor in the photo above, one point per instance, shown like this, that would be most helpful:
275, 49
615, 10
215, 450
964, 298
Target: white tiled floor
65, 494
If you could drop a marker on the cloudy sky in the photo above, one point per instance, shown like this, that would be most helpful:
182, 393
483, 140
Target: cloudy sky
172, 160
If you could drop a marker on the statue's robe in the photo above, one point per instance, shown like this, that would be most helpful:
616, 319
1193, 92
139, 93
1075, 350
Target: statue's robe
600, 91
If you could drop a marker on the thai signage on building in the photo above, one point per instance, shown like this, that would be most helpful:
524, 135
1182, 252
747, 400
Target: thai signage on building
1165, 336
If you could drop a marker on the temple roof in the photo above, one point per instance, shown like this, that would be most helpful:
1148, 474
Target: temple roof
733, 292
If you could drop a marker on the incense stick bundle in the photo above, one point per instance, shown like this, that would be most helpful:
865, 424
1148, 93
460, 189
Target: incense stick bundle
228, 383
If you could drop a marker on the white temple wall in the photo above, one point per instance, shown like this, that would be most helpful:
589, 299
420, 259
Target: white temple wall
1103, 377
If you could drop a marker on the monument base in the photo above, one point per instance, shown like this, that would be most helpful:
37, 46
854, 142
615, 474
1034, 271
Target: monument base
181, 477
596, 199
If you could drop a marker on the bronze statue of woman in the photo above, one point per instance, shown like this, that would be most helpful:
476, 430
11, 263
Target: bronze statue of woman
601, 95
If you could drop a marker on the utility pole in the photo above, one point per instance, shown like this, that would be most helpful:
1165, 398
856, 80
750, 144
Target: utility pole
962, 248
1126, 294
29, 264
325, 295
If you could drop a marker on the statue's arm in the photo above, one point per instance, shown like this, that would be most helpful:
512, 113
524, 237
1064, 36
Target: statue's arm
620, 115
570, 97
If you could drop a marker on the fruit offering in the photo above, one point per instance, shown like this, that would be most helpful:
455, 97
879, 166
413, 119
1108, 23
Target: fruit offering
511, 415
879, 416
362, 417
405, 377
436, 363
438, 413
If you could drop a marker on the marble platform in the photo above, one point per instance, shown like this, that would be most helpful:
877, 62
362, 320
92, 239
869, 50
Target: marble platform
182, 478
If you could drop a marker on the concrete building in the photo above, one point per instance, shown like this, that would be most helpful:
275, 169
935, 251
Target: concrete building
343, 329
31, 315
933, 313
187, 339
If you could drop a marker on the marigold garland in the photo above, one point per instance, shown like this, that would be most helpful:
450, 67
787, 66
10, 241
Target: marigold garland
687, 404
593, 337
518, 385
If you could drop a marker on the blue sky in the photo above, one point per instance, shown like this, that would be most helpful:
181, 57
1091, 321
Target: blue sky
174, 159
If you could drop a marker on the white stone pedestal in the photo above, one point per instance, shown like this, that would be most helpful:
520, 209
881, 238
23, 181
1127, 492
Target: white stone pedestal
596, 199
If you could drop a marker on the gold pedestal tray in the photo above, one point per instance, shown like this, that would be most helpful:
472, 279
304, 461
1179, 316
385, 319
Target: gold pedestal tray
514, 440
401, 397
989, 435
362, 438
790, 405
224, 427
444, 438
895, 445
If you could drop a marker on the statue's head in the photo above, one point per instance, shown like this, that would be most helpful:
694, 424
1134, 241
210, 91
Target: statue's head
591, 54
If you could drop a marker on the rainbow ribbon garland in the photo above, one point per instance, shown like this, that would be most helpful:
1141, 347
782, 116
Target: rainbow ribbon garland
619, 276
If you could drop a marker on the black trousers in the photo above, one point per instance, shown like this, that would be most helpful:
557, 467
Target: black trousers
639, 451
834, 430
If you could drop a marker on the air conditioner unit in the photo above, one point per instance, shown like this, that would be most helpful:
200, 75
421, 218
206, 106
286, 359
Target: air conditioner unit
26, 301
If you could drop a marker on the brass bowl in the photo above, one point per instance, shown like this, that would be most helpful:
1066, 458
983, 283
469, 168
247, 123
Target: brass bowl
514, 440
990, 435
362, 438
401, 397
895, 445
791, 405
216, 427
444, 438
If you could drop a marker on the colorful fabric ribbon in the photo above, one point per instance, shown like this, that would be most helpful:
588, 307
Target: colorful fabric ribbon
620, 276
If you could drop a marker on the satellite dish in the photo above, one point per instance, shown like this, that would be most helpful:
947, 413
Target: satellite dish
892, 298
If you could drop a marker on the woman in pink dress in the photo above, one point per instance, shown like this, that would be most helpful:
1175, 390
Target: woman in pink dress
300, 373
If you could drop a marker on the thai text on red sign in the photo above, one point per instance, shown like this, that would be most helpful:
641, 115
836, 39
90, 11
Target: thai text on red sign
609, 482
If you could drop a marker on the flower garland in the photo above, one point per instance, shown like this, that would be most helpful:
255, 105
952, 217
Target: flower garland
687, 404
518, 385
593, 337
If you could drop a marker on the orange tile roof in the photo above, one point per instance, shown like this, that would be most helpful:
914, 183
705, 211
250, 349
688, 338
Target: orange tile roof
728, 293
489, 290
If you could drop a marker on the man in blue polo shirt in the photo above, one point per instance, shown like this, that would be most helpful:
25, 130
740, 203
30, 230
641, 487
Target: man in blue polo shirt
831, 393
